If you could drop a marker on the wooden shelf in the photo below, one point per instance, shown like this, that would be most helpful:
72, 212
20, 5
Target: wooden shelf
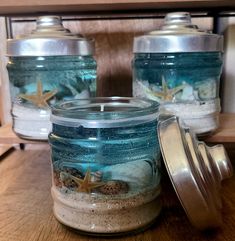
47, 6
7, 136
226, 132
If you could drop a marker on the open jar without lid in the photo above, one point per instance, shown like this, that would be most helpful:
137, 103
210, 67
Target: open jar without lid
106, 164
179, 66
106, 155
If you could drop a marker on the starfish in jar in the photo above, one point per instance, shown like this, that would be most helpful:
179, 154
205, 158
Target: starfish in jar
86, 185
39, 99
166, 94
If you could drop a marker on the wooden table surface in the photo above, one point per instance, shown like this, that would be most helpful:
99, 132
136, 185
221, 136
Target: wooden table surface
52, 6
26, 207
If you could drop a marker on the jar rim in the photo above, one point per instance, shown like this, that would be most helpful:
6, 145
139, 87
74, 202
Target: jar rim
104, 112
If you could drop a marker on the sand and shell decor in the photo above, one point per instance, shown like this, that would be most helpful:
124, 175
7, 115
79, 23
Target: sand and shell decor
106, 164
199, 91
189, 101
119, 200
109, 180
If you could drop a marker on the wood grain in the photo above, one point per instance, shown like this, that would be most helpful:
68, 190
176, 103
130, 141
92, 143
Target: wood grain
48, 6
226, 130
26, 207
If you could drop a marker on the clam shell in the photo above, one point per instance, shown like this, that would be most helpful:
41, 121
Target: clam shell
138, 174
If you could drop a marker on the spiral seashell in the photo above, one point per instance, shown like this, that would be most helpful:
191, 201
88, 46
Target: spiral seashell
96, 176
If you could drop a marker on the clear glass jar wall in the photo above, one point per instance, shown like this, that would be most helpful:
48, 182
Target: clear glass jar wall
177, 77
37, 82
186, 84
106, 177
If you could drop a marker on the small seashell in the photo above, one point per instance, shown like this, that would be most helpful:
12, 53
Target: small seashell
66, 179
114, 187
206, 89
96, 176
188, 93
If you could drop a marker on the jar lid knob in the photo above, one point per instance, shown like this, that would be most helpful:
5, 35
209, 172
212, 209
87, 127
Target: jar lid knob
52, 26
178, 19
48, 21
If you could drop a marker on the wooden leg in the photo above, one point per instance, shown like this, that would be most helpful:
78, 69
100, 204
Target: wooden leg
22, 146
4, 149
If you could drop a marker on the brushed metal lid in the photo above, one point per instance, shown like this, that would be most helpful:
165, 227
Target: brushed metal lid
178, 34
50, 38
196, 171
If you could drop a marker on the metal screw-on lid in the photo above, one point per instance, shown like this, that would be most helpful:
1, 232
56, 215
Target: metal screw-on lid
50, 38
178, 34
196, 172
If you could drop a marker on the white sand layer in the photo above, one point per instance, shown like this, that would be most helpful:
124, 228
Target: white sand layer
97, 214
32, 123
201, 117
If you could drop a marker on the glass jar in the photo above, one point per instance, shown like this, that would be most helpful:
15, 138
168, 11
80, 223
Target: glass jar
46, 66
179, 66
106, 164
106, 168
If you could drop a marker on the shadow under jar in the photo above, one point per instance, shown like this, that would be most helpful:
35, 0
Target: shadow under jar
106, 164
46, 66
179, 66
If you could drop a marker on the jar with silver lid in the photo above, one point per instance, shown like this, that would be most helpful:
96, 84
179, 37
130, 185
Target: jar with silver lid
179, 66
106, 165
48, 65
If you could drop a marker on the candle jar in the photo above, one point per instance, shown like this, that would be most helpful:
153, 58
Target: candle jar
106, 159
106, 168
48, 65
179, 66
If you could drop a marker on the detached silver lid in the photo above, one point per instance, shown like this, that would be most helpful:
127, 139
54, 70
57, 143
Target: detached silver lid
178, 34
50, 38
196, 172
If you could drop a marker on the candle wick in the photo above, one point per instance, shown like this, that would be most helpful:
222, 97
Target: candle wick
101, 108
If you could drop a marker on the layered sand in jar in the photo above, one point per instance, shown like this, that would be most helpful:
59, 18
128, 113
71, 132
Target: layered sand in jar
96, 213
